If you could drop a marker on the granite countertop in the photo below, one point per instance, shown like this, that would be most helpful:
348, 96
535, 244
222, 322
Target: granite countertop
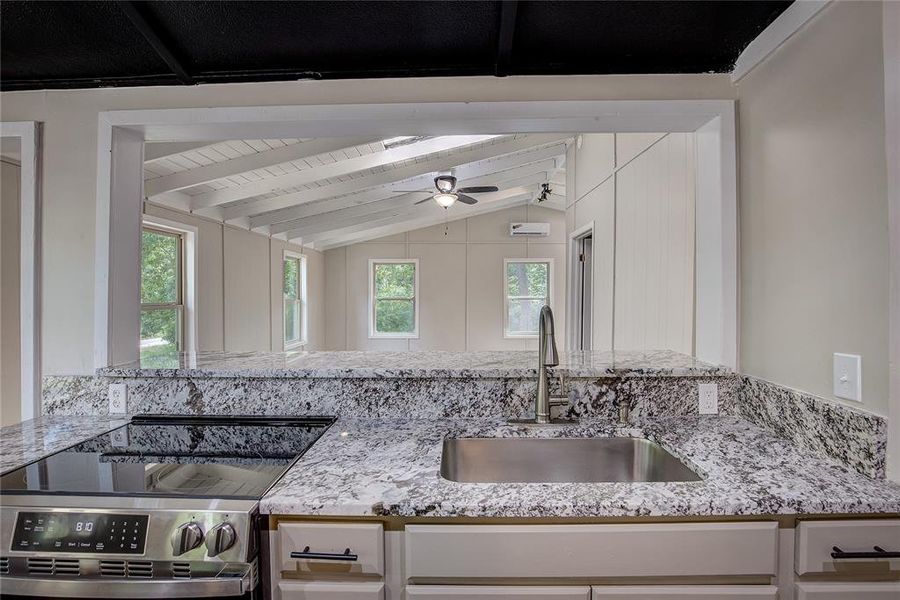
354, 364
36, 438
391, 468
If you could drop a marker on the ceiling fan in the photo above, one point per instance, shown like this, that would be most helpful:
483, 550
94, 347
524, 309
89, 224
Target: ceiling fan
447, 193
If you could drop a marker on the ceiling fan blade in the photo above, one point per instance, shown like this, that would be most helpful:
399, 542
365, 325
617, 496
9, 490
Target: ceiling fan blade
478, 189
423, 201
466, 199
413, 191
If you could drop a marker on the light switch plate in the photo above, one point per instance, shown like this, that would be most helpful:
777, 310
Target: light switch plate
118, 398
709, 398
848, 376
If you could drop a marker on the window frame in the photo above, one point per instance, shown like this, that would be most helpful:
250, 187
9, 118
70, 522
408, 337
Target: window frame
179, 305
506, 297
302, 299
373, 334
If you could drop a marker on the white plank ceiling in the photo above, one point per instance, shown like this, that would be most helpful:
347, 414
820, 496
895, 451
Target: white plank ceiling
329, 192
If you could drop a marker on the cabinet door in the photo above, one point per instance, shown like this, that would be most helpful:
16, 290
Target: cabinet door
685, 592
496, 592
569, 551
330, 590
363, 540
816, 540
889, 590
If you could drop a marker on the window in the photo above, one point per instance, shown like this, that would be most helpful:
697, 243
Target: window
393, 298
526, 286
162, 293
294, 300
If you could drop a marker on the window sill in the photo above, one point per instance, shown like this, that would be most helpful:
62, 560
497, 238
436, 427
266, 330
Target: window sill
387, 336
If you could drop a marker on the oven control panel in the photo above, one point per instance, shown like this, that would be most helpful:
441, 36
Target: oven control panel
95, 532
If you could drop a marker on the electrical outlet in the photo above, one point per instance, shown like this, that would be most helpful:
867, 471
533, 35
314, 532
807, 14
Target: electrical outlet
709, 398
848, 376
119, 437
118, 398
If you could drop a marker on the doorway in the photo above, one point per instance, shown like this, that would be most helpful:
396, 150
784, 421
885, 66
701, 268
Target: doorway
582, 288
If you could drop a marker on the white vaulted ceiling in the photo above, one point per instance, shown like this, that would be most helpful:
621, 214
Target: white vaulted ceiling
329, 192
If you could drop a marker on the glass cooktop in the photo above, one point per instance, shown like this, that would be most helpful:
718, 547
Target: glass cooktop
204, 457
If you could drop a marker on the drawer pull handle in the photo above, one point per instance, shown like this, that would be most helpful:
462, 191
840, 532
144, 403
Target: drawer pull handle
326, 555
878, 553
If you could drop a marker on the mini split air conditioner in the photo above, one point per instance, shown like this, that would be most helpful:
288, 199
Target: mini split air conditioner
529, 229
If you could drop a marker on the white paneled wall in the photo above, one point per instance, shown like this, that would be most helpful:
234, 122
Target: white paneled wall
239, 287
638, 192
654, 284
460, 282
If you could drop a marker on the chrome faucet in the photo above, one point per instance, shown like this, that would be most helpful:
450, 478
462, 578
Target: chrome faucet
547, 357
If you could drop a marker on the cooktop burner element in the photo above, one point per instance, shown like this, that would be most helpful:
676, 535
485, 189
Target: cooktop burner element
164, 506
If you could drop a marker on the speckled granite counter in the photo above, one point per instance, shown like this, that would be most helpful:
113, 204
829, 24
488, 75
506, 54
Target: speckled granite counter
391, 467
402, 365
36, 438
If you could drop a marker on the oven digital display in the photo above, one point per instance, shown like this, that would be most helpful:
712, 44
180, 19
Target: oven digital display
104, 533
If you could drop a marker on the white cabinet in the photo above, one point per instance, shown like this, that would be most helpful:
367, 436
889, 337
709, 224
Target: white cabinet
363, 541
594, 551
497, 592
816, 540
889, 590
330, 590
685, 592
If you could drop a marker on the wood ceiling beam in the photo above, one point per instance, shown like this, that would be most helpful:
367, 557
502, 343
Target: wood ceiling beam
155, 38
157, 151
335, 169
441, 163
243, 164
505, 37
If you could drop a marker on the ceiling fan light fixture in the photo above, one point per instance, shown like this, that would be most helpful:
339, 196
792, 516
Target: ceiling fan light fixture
445, 200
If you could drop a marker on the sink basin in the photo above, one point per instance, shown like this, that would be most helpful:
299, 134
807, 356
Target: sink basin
559, 460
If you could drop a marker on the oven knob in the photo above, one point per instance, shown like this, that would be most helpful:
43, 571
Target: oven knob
186, 537
220, 538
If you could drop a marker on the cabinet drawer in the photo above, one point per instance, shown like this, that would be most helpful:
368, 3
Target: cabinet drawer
330, 590
816, 540
495, 592
848, 591
663, 549
365, 540
685, 592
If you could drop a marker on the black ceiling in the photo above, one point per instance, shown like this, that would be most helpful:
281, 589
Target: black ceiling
94, 44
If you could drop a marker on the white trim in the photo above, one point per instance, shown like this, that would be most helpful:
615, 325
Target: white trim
191, 259
716, 230
891, 40
29, 134
778, 32
504, 324
304, 301
371, 303
571, 282
445, 118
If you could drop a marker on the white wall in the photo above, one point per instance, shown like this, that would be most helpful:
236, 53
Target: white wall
70, 162
813, 206
10, 400
240, 287
638, 190
460, 282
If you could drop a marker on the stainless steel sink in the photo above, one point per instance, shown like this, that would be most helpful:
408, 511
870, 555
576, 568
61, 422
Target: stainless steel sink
559, 460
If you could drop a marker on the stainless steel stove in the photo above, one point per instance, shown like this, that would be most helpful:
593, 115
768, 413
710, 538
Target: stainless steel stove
164, 507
